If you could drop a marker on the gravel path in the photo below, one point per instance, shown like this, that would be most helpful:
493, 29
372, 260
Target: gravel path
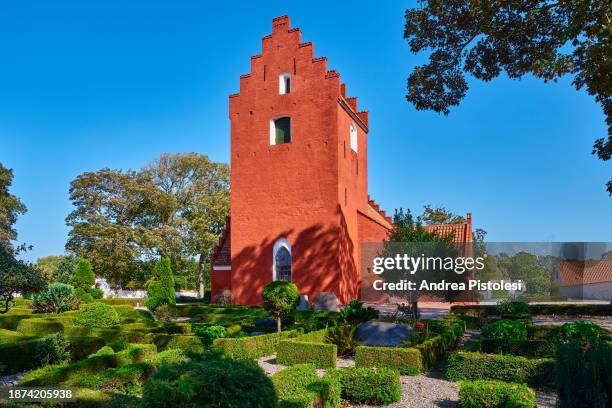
12, 379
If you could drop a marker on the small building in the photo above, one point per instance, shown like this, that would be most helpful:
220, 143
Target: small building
588, 279
300, 207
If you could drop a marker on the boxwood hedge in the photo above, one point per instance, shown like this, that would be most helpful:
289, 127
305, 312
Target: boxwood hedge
370, 386
407, 361
299, 386
321, 355
495, 394
479, 366
252, 347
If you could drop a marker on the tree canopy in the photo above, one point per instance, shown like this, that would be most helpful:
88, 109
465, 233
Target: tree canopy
175, 208
10, 208
544, 38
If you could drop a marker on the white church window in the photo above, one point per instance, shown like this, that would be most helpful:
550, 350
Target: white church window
281, 260
284, 84
280, 130
353, 131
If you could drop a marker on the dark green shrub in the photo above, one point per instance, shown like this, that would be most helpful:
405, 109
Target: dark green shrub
541, 309
81, 347
407, 361
478, 366
583, 332
518, 309
345, 337
83, 296
583, 375
165, 313
40, 327
495, 394
280, 299
252, 347
436, 348
176, 341
290, 352
56, 298
525, 348
97, 315
211, 381
208, 334
83, 275
299, 386
505, 329
52, 349
160, 290
370, 386
96, 293
18, 356
354, 313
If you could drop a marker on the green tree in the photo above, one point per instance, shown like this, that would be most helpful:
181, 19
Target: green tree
280, 299
410, 237
548, 39
64, 269
10, 208
173, 208
16, 277
160, 290
47, 265
84, 277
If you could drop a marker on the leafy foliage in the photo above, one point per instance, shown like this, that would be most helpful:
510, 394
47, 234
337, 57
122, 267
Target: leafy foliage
52, 349
16, 277
513, 308
583, 375
484, 39
506, 330
175, 207
495, 394
354, 313
280, 299
160, 290
56, 298
84, 277
370, 386
299, 386
97, 315
345, 337
210, 333
10, 208
211, 380
584, 332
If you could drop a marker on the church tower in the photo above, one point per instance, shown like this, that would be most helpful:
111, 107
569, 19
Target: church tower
299, 193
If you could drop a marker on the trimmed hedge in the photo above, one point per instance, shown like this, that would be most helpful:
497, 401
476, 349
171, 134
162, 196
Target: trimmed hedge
10, 336
559, 310
308, 348
11, 321
370, 386
299, 386
81, 347
109, 335
40, 327
414, 360
478, 366
18, 356
495, 394
252, 347
58, 374
176, 341
408, 361
123, 301
527, 348
290, 352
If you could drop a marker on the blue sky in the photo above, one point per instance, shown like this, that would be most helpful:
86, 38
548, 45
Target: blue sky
86, 85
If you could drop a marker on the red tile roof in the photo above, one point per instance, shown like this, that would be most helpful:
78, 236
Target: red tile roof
462, 232
573, 273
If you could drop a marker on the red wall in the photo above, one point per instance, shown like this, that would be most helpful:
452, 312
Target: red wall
295, 190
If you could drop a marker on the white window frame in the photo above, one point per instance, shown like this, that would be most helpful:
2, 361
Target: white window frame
282, 83
353, 137
273, 129
280, 243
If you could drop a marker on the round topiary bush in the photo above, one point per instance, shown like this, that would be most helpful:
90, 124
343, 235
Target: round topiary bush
97, 315
212, 380
280, 299
583, 332
506, 330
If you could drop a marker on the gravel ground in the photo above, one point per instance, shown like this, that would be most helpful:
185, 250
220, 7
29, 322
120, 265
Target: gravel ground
12, 379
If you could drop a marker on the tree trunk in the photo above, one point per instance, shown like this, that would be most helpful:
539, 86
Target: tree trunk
202, 276
278, 325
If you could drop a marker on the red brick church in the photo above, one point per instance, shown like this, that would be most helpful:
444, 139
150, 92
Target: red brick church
299, 178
